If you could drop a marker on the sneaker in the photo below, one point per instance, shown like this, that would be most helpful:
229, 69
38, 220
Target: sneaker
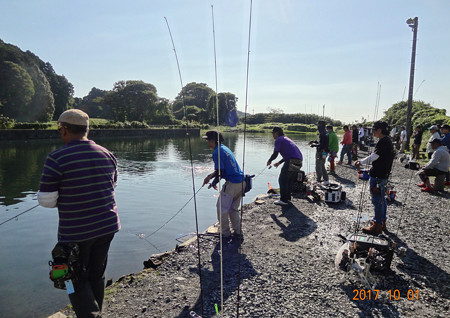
339, 162
279, 202
326, 183
427, 189
422, 185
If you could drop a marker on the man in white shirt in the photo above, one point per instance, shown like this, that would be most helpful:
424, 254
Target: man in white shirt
438, 165
403, 140
434, 130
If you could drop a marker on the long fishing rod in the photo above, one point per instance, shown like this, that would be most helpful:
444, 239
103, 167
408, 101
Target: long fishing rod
15, 217
243, 157
192, 165
218, 170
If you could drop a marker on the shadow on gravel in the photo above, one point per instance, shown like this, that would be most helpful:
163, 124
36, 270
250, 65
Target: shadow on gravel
299, 224
367, 307
345, 181
422, 271
211, 279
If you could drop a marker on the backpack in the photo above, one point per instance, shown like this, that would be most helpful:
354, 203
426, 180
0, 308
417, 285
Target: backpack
248, 183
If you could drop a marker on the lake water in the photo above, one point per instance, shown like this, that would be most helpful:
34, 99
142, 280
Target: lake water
155, 182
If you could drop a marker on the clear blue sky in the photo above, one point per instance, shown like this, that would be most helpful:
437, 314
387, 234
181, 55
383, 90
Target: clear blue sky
304, 54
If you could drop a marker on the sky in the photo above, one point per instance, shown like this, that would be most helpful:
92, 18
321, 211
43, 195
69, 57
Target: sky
303, 54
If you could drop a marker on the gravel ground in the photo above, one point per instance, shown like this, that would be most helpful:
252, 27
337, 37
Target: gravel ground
286, 264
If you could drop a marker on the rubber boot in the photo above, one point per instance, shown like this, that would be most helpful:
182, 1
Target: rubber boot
373, 229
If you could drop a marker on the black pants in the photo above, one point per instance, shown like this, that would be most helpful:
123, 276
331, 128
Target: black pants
87, 300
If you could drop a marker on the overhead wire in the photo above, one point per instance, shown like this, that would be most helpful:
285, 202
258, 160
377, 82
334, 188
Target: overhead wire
192, 165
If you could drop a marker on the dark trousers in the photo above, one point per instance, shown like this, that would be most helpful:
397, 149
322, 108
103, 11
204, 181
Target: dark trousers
87, 300
285, 181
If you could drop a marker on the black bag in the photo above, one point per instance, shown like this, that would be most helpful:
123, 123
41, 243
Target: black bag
248, 183
66, 264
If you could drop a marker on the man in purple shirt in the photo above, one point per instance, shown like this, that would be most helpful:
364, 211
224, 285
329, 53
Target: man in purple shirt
292, 158
79, 179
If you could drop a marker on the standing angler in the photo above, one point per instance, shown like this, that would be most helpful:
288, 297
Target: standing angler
322, 151
334, 147
292, 158
381, 160
79, 179
232, 190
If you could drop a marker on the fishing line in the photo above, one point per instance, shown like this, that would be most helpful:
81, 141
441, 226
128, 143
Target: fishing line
192, 166
243, 157
178, 212
218, 168
15, 217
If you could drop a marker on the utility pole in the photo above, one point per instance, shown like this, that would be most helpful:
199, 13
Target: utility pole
413, 24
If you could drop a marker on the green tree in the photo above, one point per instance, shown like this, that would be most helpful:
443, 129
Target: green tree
132, 101
193, 94
227, 103
61, 88
16, 90
94, 104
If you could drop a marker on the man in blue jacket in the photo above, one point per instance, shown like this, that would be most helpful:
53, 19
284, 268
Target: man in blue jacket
226, 167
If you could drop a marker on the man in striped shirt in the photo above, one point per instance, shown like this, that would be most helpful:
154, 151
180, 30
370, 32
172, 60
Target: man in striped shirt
79, 179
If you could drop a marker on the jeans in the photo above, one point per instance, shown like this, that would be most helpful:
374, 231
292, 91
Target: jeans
87, 300
285, 181
346, 149
332, 156
378, 191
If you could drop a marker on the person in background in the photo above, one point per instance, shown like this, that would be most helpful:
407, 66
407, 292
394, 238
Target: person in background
322, 152
232, 190
79, 179
381, 160
438, 165
361, 135
333, 146
445, 129
434, 131
354, 142
293, 160
417, 142
346, 146
403, 140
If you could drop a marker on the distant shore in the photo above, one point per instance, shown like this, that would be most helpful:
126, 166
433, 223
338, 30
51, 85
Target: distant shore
29, 134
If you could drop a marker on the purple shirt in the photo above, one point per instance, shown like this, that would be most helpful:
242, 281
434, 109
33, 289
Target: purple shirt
287, 148
84, 174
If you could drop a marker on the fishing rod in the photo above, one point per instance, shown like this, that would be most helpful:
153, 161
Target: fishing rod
243, 157
192, 164
218, 159
15, 217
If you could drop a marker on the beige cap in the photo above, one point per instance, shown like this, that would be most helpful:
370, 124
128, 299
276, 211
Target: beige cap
74, 117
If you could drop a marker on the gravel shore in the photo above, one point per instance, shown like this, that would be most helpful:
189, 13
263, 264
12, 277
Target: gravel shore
285, 267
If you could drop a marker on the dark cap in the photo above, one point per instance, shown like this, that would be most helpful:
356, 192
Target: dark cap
213, 135
329, 127
437, 141
380, 125
278, 130
445, 127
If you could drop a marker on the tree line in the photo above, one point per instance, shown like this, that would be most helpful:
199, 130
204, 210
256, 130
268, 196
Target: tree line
31, 91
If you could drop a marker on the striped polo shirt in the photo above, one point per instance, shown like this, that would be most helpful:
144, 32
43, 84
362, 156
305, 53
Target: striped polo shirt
84, 174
